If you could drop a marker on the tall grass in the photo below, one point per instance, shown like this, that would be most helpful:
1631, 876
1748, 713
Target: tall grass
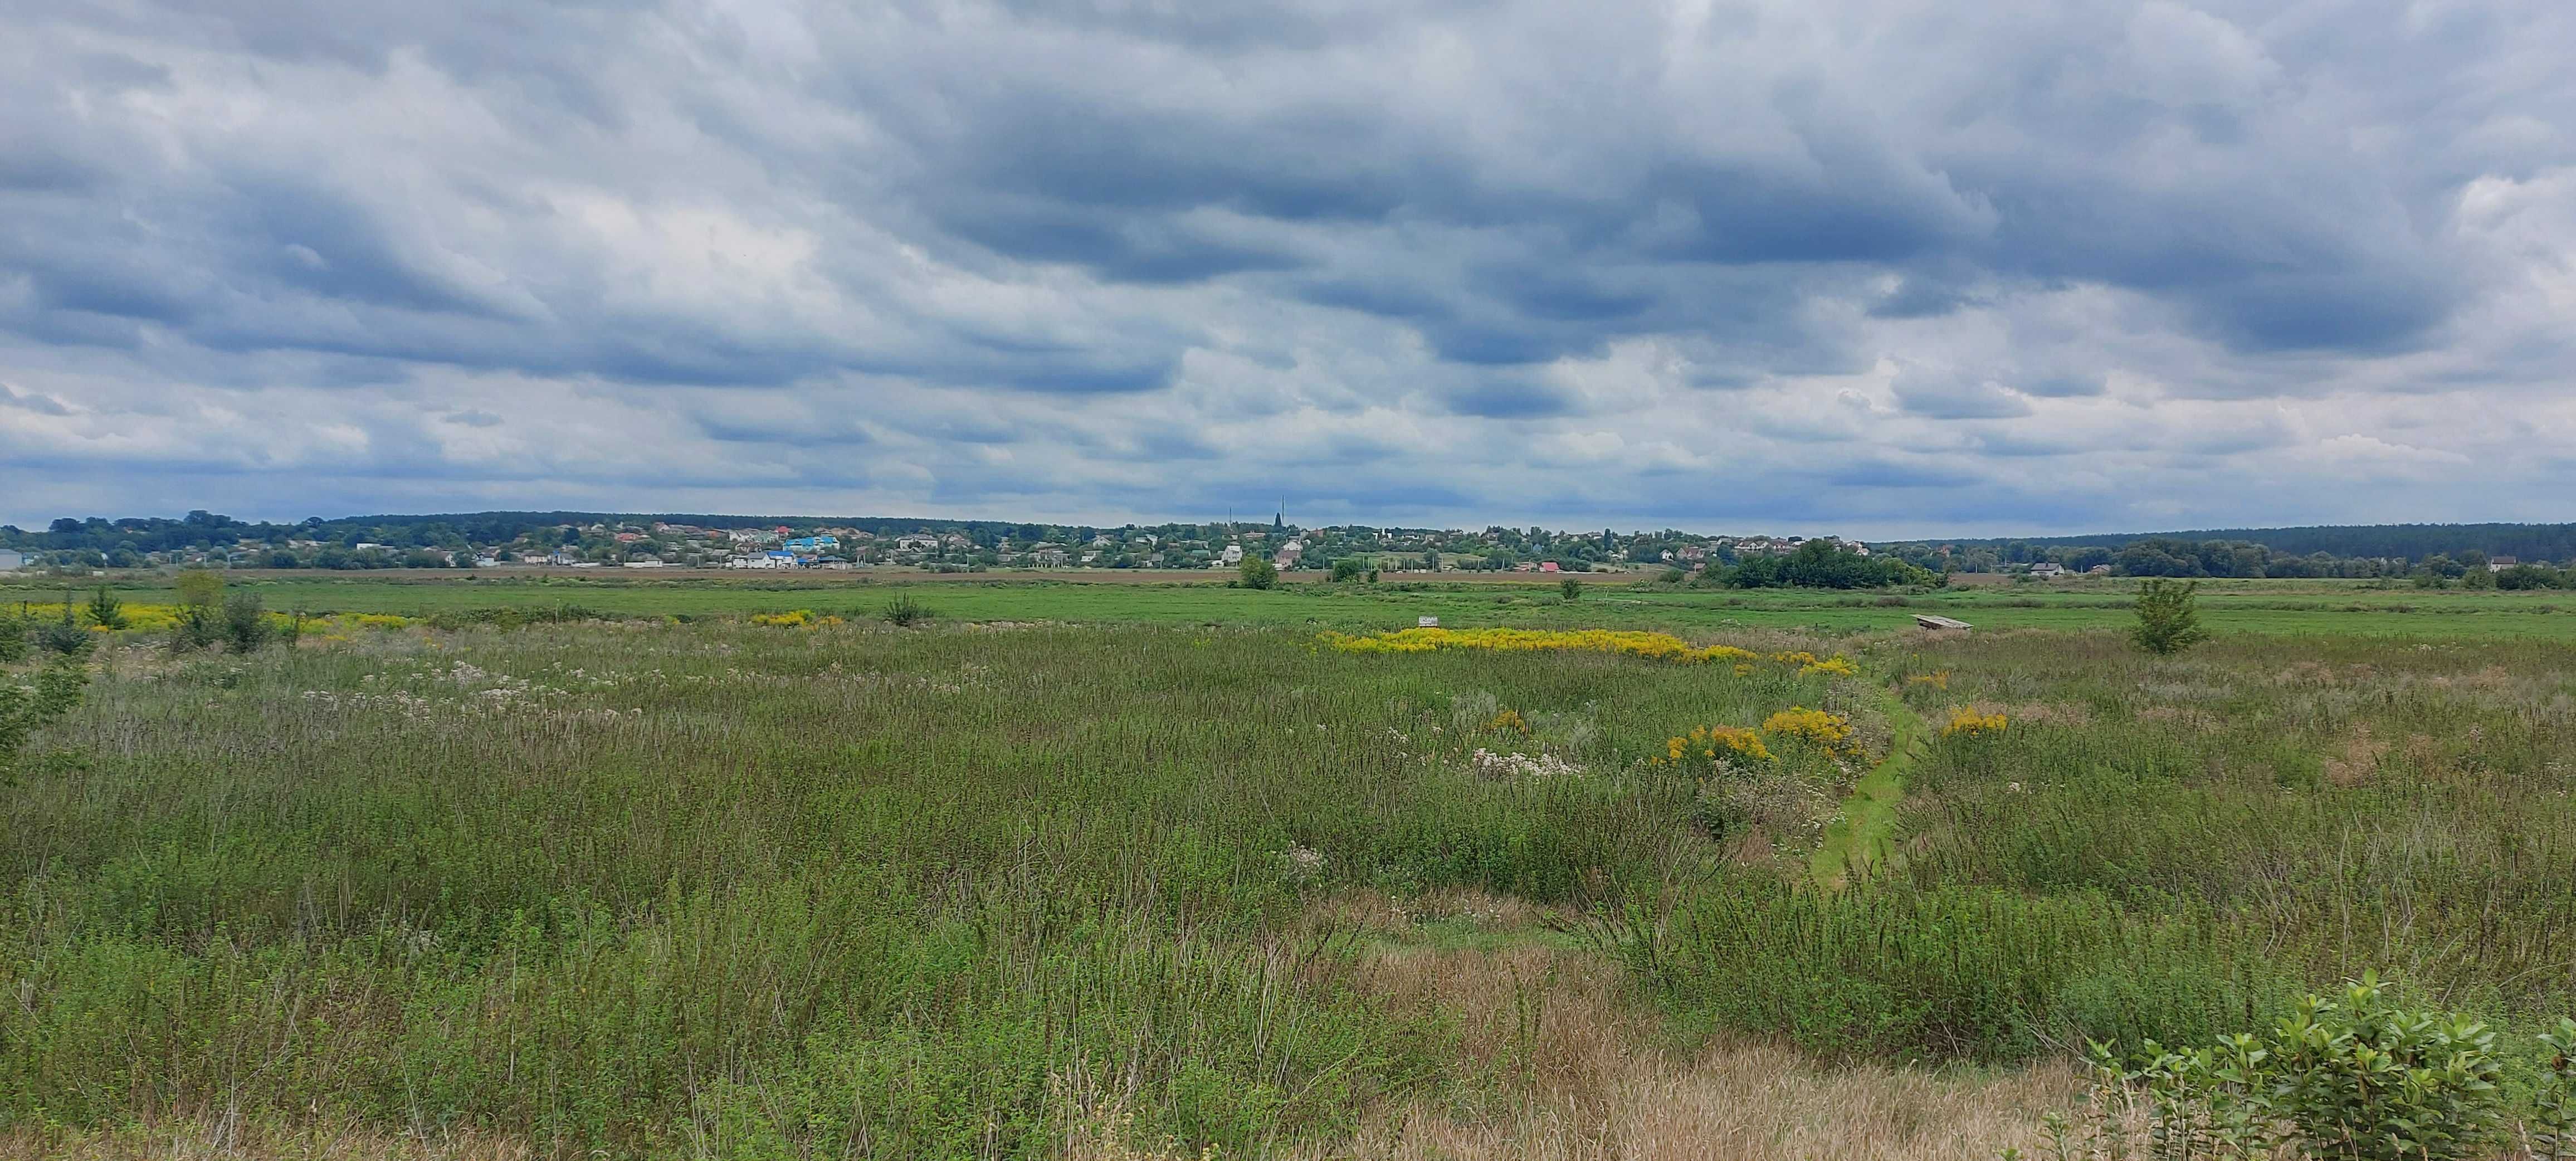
2404, 807
954, 890
935, 890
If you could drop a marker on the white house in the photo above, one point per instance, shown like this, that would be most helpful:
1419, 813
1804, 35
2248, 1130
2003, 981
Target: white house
1232, 556
11, 560
2046, 570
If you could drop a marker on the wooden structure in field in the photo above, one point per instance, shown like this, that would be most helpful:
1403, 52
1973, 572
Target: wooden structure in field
1929, 621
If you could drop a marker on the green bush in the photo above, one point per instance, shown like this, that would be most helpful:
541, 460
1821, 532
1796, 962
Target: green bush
15, 629
2356, 1077
23, 708
199, 627
245, 623
65, 637
200, 588
1258, 573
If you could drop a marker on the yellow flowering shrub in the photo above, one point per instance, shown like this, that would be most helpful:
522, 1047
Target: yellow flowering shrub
136, 616
1968, 723
1830, 730
1940, 680
1635, 643
1508, 721
162, 618
1705, 745
794, 619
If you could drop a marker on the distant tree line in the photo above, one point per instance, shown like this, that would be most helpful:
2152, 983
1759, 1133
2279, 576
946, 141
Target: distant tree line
2169, 556
1817, 564
2411, 542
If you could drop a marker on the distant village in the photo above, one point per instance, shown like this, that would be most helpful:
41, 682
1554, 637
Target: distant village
663, 544
568, 540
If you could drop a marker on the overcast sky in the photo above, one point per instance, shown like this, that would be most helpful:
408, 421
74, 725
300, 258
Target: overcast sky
1878, 267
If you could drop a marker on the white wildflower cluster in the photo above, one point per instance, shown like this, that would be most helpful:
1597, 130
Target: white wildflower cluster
1301, 862
480, 692
580, 677
1506, 765
409, 705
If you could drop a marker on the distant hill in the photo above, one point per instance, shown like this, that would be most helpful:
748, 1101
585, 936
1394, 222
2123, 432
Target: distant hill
2556, 542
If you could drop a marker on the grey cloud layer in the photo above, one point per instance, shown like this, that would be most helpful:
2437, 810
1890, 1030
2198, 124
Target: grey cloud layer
1874, 260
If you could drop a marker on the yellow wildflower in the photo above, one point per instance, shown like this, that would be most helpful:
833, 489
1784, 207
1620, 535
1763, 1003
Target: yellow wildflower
1969, 723
1709, 744
1830, 730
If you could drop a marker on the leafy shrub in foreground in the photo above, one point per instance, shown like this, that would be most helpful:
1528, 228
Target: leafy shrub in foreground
2355, 1077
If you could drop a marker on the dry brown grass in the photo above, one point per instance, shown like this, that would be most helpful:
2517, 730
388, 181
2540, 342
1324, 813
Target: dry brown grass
1592, 1081
221, 1138
2359, 759
1587, 1074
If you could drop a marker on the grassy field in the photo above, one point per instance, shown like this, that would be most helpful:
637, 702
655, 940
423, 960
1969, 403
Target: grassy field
2281, 607
1124, 871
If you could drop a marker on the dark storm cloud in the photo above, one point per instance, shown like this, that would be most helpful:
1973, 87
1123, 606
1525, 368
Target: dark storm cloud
1097, 246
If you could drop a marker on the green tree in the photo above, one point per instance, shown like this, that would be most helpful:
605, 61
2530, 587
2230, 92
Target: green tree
65, 636
1348, 568
1258, 573
2168, 616
23, 708
104, 610
200, 588
1571, 587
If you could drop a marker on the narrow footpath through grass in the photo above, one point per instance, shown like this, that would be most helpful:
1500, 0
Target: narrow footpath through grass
1858, 840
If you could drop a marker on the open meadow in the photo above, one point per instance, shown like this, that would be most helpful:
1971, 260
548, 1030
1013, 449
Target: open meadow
1511, 599
722, 868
